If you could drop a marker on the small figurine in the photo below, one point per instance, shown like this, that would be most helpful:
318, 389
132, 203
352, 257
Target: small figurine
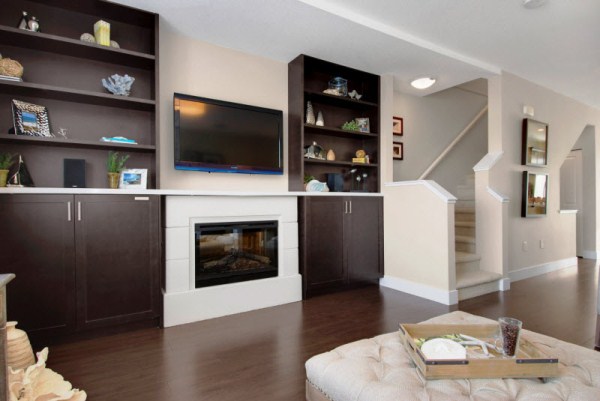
33, 24
24, 22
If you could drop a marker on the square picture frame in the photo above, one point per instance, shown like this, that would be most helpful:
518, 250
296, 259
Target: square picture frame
133, 178
30, 119
398, 150
398, 126
363, 124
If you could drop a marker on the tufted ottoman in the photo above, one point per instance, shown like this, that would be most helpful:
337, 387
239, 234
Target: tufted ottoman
378, 369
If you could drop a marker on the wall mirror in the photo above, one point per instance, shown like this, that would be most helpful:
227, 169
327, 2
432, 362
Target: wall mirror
535, 192
535, 143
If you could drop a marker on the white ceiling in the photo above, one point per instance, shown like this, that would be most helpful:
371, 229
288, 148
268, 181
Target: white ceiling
455, 41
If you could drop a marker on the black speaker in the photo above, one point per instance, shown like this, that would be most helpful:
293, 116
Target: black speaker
74, 173
335, 182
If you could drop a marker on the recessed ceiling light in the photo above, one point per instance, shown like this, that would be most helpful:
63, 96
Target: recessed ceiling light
534, 3
423, 83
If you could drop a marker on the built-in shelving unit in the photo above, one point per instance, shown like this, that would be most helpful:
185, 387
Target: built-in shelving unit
307, 78
64, 74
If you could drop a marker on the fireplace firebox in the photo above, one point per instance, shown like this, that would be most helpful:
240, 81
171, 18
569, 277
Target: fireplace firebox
234, 252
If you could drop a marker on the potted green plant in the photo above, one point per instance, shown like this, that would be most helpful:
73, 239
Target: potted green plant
6, 160
114, 164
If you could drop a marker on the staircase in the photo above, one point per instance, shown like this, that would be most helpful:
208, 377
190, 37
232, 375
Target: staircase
471, 280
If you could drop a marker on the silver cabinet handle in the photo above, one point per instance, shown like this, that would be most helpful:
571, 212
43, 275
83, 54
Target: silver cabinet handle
350, 202
68, 211
78, 211
345, 207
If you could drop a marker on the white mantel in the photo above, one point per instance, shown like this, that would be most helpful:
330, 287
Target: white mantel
182, 302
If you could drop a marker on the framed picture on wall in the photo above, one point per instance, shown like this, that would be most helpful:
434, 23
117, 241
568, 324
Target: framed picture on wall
535, 194
535, 143
398, 127
398, 150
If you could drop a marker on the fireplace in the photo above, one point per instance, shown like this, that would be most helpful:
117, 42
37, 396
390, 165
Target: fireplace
234, 252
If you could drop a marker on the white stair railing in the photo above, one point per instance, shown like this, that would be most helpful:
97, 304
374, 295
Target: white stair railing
451, 146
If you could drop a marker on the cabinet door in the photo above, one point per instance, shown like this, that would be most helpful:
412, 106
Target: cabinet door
363, 238
37, 244
322, 228
118, 259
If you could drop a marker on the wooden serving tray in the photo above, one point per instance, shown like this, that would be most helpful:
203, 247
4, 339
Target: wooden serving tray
529, 361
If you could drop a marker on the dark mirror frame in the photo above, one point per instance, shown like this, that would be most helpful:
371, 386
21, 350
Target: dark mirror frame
529, 206
534, 150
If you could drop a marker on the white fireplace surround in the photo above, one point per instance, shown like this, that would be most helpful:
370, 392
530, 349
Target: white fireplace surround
183, 303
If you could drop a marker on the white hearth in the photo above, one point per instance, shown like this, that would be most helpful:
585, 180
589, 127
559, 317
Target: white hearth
183, 303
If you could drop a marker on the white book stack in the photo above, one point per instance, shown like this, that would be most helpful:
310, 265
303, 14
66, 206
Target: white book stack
9, 78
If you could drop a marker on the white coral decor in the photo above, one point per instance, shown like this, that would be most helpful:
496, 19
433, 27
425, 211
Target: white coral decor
118, 85
38, 383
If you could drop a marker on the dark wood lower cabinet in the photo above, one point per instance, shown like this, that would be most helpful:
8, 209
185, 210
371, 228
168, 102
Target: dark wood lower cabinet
341, 242
37, 244
117, 259
82, 262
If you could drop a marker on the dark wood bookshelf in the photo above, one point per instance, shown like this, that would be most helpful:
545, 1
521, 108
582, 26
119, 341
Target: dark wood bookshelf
307, 78
74, 47
63, 74
340, 163
75, 95
74, 143
343, 101
338, 132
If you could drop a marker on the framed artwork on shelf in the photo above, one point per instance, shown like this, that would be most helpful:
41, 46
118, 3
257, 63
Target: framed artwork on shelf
398, 150
398, 127
535, 143
30, 119
133, 178
535, 194
363, 124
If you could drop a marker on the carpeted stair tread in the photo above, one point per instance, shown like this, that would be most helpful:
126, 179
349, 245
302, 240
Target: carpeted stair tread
462, 257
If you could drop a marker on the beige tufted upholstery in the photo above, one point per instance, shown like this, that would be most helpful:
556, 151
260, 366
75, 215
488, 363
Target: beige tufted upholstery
378, 369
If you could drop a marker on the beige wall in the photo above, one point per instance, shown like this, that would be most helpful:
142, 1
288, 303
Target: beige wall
431, 123
198, 68
567, 119
419, 234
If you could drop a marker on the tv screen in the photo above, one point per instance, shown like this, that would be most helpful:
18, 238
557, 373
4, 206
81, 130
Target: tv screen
219, 136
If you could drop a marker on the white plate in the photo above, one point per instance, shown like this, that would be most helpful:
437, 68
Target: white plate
442, 348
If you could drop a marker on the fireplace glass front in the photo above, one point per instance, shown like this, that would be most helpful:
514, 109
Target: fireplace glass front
233, 252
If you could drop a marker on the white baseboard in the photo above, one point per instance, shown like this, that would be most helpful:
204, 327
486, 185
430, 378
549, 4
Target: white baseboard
420, 290
222, 300
482, 289
533, 271
589, 254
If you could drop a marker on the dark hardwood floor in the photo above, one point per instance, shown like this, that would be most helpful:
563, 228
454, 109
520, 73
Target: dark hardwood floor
260, 355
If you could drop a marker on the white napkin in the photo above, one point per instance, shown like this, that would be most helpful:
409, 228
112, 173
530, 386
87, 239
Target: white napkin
442, 348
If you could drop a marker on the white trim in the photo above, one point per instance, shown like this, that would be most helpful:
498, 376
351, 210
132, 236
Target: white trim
420, 290
429, 184
533, 271
222, 300
568, 211
483, 288
590, 255
500, 198
488, 161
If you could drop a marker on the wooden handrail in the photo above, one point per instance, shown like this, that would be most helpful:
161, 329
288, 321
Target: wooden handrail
453, 143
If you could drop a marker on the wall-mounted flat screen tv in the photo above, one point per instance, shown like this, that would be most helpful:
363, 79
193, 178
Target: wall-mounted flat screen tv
218, 136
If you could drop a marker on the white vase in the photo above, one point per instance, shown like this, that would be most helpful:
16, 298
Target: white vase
310, 114
19, 352
320, 120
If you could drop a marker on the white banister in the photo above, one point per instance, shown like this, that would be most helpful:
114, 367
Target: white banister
453, 143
